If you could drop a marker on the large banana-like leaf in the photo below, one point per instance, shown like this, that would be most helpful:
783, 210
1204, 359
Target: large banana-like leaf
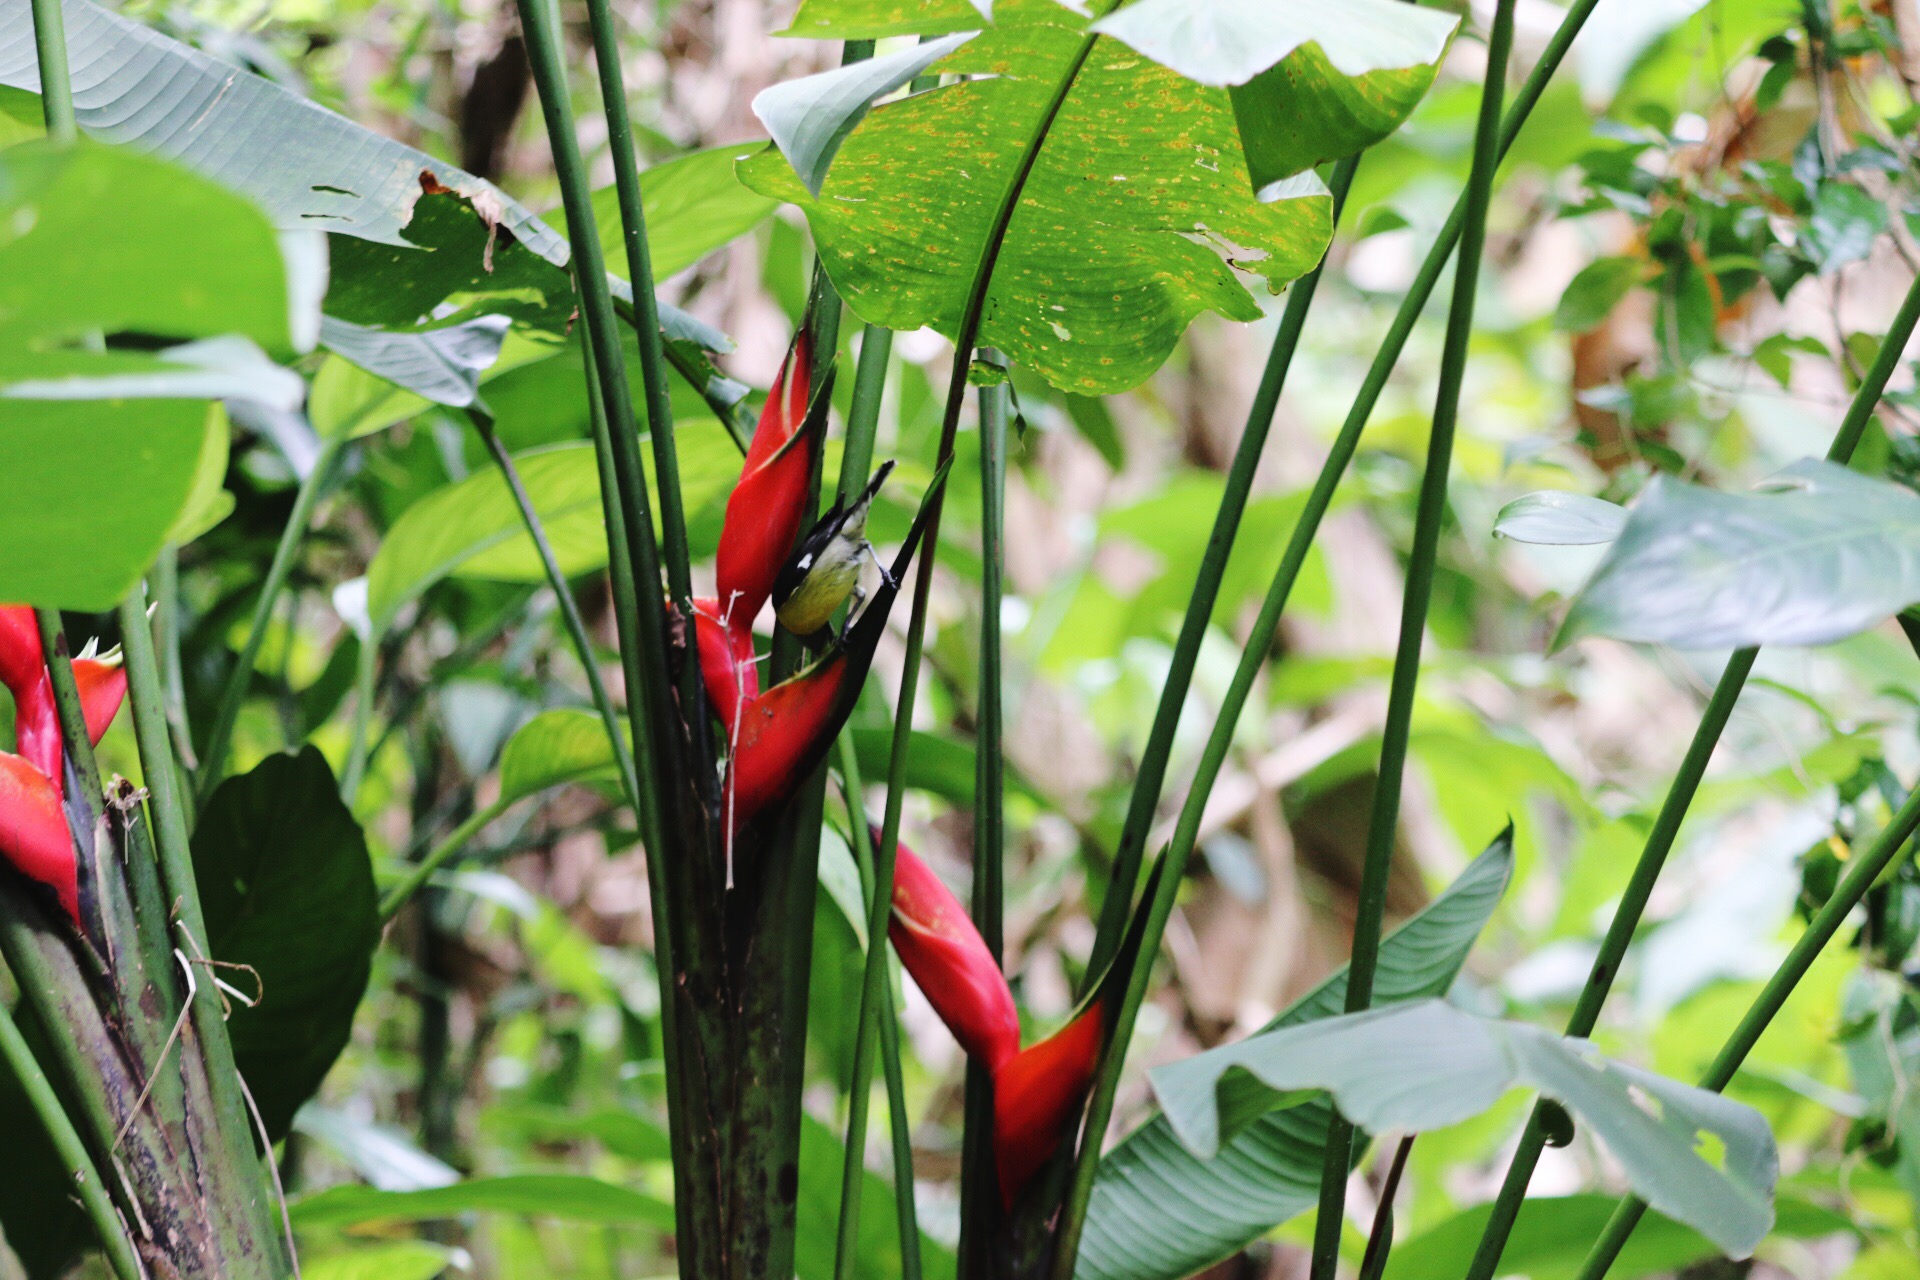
1160, 1212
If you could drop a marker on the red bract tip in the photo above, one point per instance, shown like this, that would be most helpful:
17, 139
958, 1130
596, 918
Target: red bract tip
937, 942
769, 505
102, 685
782, 734
1037, 1096
726, 661
33, 831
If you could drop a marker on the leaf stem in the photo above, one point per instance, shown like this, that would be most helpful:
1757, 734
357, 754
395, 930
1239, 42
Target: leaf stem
233, 694
1673, 812
56, 83
365, 692
82, 1177
1892, 845
66, 699
1380, 1240
441, 854
569, 607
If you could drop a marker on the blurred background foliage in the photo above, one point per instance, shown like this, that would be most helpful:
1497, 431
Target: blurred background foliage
1696, 242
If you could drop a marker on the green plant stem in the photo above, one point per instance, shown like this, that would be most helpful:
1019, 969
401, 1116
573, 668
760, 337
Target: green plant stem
83, 1178
1673, 812
233, 694
441, 854
863, 414
66, 699
1384, 821
1893, 845
906, 1212
168, 804
56, 84
646, 308
1373, 1263
364, 692
569, 607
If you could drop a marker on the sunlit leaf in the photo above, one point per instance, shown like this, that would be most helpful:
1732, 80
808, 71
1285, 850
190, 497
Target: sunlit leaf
564, 745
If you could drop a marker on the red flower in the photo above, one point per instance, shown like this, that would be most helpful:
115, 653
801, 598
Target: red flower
727, 664
937, 942
769, 506
33, 831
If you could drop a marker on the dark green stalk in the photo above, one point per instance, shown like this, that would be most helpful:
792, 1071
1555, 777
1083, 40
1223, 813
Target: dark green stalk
646, 308
906, 1212
569, 608
234, 694
365, 694
167, 802
1673, 811
83, 1177
1373, 1263
1384, 821
66, 699
1893, 845
442, 853
56, 85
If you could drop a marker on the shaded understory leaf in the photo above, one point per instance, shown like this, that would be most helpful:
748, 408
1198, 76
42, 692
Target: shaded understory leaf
563, 745
1137, 218
439, 366
560, 1196
1556, 518
692, 204
1427, 1065
1159, 1212
1821, 553
288, 890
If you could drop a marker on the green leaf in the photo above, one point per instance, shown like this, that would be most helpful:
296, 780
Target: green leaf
877, 1250
693, 204
91, 495
935, 764
560, 1196
1592, 295
1844, 225
1553, 1235
473, 528
442, 366
1821, 554
208, 502
1556, 518
1312, 82
1428, 1065
810, 117
288, 890
624, 1133
872, 19
565, 745
410, 1260
1136, 218
1159, 1212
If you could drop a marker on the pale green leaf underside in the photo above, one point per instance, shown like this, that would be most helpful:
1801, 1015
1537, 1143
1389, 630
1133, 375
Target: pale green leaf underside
1118, 241
1159, 1212
1223, 42
1556, 518
1826, 554
1427, 1065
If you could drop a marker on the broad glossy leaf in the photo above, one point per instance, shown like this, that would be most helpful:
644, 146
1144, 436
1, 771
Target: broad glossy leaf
474, 529
564, 745
693, 205
1159, 1212
560, 1196
1820, 554
224, 368
1555, 518
1554, 1234
1427, 1065
810, 117
208, 502
91, 493
288, 890
1137, 218
1311, 81
877, 1250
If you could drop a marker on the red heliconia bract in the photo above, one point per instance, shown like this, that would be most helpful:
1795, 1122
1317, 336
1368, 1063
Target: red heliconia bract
102, 686
1037, 1095
33, 831
783, 733
936, 940
769, 505
727, 664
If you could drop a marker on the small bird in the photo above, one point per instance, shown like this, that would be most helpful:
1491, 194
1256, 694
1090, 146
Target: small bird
825, 571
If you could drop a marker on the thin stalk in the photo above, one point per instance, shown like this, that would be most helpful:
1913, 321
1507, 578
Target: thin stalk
906, 1212
56, 84
168, 803
979, 1194
863, 414
646, 308
234, 694
1384, 821
1380, 1240
66, 699
441, 854
163, 589
1893, 845
364, 692
1673, 812
569, 607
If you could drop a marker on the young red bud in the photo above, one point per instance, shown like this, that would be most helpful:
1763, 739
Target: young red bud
768, 507
1037, 1096
726, 661
33, 831
938, 944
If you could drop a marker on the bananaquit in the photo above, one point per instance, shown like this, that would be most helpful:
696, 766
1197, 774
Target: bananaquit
825, 571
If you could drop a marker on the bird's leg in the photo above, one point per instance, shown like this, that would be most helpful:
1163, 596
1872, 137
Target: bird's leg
886, 576
854, 602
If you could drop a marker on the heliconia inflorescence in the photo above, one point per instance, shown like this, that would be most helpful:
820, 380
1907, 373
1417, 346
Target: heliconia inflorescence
768, 507
1037, 1091
33, 829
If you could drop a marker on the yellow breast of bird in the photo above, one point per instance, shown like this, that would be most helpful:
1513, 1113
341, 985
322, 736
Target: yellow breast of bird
829, 581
